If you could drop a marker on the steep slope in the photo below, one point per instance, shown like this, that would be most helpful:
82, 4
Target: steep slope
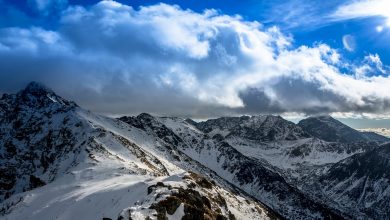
332, 130
59, 161
358, 185
295, 163
280, 143
298, 158
40, 136
361, 183
251, 175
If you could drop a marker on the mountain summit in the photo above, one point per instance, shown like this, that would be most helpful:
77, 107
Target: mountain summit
332, 130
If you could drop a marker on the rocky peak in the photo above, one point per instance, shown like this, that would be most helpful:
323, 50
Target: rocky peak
223, 123
35, 99
139, 121
146, 117
37, 89
330, 129
37, 95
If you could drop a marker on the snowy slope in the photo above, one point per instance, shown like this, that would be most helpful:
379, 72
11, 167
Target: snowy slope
360, 183
59, 161
254, 176
298, 157
302, 163
88, 195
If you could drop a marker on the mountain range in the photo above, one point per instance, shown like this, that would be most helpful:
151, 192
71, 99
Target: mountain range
60, 161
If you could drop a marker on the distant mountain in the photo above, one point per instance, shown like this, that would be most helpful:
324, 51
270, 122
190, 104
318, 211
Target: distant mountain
332, 130
373, 136
259, 128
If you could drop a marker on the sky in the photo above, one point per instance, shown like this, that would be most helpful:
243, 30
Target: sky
204, 59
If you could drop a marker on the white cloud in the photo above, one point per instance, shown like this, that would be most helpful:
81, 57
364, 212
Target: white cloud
375, 60
364, 9
46, 6
370, 66
161, 58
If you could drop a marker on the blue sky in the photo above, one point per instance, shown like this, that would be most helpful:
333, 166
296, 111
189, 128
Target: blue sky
203, 58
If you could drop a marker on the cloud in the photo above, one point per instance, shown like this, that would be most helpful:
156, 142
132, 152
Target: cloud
362, 9
309, 15
349, 42
112, 58
370, 66
314, 15
47, 6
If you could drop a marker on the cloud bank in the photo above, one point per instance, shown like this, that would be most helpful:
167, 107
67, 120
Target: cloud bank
112, 58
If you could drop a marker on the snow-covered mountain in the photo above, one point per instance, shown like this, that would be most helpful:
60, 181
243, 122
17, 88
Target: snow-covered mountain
301, 162
332, 130
59, 161
257, 128
367, 188
358, 184
255, 177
